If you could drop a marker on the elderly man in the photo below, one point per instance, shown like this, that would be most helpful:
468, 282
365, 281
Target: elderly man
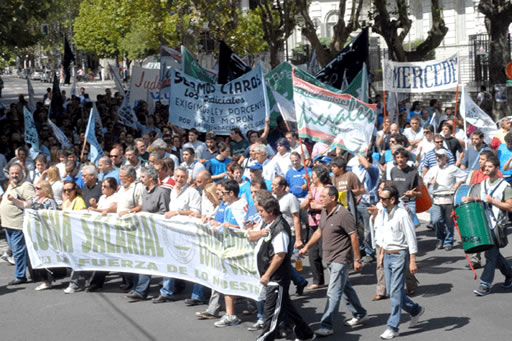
445, 180
116, 155
159, 146
340, 245
91, 191
155, 199
130, 193
107, 170
72, 173
140, 145
270, 169
396, 237
12, 220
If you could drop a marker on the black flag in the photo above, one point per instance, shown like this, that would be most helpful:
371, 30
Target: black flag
347, 63
66, 61
231, 66
56, 105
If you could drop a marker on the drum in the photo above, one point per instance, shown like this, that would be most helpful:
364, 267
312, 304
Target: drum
465, 191
474, 227
423, 202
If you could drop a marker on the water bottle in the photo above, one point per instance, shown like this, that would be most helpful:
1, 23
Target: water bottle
298, 260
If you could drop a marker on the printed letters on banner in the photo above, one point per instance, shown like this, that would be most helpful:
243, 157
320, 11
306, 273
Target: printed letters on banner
241, 103
419, 77
143, 81
337, 119
181, 247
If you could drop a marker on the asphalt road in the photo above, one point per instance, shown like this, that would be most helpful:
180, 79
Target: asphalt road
14, 86
453, 312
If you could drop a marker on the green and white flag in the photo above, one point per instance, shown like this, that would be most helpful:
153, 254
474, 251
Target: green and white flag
359, 86
192, 68
333, 118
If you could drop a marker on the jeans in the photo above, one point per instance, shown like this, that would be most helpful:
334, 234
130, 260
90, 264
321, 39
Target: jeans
412, 211
395, 270
141, 285
167, 289
443, 223
494, 259
198, 292
366, 242
340, 287
16, 241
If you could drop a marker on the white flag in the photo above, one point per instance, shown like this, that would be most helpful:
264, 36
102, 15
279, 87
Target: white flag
472, 114
59, 135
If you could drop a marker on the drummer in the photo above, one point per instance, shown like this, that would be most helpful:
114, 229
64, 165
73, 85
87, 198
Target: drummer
497, 194
444, 180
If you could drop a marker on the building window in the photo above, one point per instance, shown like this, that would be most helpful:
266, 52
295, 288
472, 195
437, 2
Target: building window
418, 15
460, 26
330, 21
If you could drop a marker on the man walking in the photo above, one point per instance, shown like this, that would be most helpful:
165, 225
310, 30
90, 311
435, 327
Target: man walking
339, 241
396, 237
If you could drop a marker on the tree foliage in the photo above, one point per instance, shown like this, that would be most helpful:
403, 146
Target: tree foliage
341, 32
393, 24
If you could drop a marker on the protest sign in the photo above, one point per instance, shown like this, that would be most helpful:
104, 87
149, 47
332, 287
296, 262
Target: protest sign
181, 247
420, 77
241, 103
337, 119
143, 81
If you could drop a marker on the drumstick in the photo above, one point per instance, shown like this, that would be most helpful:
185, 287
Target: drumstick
414, 189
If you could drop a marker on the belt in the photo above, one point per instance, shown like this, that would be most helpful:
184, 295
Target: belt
391, 252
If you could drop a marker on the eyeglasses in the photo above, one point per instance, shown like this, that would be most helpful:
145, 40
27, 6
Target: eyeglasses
225, 192
384, 199
427, 132
68, 190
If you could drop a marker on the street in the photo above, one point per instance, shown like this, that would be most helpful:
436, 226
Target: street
453, 312
14, 86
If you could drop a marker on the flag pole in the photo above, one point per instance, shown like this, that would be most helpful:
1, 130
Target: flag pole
83, 147
384, 103
456, 108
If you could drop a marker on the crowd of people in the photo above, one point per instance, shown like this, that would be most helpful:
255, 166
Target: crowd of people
340, 210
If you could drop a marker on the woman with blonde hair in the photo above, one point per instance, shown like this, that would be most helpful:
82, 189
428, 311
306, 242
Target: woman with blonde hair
53, 176
42, 201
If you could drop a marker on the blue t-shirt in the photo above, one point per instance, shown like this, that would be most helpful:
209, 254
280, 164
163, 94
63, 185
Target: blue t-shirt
504, 154
296, 181
219, 215
215, 166
77, 179
114, 173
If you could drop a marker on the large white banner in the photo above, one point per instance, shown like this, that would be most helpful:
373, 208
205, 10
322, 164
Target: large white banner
419, 77
474, 115
145, 85
241, 103
144, 243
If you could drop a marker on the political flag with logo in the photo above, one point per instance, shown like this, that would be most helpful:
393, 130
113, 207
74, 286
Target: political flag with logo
192, 68
126, 114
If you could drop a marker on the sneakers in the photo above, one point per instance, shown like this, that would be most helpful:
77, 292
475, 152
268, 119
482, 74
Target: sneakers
388, 334
415, 319
482, 291
227, 320
43, 286
356, 321
71, 290
257, 326
324, 332
507, 284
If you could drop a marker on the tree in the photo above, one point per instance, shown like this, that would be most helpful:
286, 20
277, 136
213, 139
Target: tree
498, 17
20, 22
395, 29
278, 21
341, 31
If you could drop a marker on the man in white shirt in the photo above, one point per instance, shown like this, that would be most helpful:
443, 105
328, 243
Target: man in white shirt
445, 179
415, 132
185, 199
396, 237
192, 166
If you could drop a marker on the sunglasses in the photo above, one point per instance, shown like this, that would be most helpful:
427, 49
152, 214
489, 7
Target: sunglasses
384, 199
68, 190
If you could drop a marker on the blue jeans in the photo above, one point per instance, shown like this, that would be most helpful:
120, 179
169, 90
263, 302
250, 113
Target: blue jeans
16, 241
340, 286
394, 271
167, 289
412, 207
198, 292
141, 285
494, 259
443, 223
297, 279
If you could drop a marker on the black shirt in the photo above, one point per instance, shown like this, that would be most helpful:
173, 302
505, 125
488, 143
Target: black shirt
93, 192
